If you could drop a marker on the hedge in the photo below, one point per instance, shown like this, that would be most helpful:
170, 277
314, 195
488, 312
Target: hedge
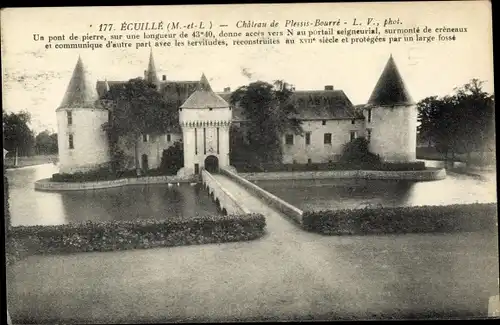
141, 233
449, 218
103, 175
385, 166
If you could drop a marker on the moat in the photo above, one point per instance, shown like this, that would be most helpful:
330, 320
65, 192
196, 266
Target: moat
30, 207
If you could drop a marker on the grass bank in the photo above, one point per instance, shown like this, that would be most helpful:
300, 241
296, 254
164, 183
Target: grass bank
9, 161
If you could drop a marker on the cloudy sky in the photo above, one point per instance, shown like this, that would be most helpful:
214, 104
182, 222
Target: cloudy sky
35, 78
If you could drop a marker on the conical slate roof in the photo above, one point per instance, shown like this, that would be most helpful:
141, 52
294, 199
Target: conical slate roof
151, 72
80, 92
390, 88
204, 97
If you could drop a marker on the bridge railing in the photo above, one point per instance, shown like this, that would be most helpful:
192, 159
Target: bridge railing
283, 206
226, 199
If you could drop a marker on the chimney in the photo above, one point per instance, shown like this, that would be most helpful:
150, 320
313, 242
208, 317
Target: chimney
164, 77
227, 89
329, 87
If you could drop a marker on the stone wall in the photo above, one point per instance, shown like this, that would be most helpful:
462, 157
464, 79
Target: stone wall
226, 199
47, 185
89, 140
394, 133
420, 175
272, 200
317, 150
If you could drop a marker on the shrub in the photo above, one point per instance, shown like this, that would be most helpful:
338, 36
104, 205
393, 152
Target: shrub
172, 159
450, 218
357, 152
120, 235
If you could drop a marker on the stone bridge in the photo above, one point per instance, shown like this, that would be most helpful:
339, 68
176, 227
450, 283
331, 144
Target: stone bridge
231, 193
224, 200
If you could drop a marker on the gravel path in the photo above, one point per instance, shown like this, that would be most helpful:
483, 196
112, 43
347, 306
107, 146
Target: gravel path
287, 274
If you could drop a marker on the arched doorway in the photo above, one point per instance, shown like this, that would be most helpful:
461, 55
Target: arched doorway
144, 164
212, 164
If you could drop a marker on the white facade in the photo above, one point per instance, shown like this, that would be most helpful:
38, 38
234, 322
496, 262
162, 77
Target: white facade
205, 133
316, 150
393, 132
88, 148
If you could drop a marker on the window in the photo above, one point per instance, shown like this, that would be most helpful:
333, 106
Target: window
309, 161
196, 169
204, 141
70, 141
352, 135
217, 140
308, 138
144, 138
195, 141
368, 134
289, 139
353, 121
169, 138
369, 114
323, 122
69, 115
328, 138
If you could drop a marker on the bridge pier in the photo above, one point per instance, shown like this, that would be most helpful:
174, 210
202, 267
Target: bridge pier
225, 202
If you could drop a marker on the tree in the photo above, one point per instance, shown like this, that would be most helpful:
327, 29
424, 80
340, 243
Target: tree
459, 123
172, 159
46, 143
17, 134
136, 108
270, 113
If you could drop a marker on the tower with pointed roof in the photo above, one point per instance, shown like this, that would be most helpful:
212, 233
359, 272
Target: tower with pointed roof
82, 143
391, 117
150, 74
205, 119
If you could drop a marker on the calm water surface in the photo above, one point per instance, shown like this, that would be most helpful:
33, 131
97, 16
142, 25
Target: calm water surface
30, 207
350, 194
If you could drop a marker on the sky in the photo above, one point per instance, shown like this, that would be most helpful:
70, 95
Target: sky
35, 78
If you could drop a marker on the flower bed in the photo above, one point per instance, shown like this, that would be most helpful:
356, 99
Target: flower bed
450, 218
122, 235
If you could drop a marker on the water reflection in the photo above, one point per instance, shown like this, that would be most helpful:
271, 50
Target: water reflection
159, 201
349, 194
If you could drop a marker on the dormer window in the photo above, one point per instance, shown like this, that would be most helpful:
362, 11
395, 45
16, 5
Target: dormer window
210, 108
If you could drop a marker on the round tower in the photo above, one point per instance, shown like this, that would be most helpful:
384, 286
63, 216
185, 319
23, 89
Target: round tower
391, 118
83, 145
205, 118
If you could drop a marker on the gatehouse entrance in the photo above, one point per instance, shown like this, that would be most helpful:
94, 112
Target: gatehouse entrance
145, 165
212, 164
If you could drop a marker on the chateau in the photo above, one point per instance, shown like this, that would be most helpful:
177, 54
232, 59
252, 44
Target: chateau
388, 121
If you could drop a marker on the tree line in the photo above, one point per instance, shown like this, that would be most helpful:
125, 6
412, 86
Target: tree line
460, 123
18, 136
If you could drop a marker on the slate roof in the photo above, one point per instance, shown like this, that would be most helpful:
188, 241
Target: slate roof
80, 92
313, 105
390, 89
204, 97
